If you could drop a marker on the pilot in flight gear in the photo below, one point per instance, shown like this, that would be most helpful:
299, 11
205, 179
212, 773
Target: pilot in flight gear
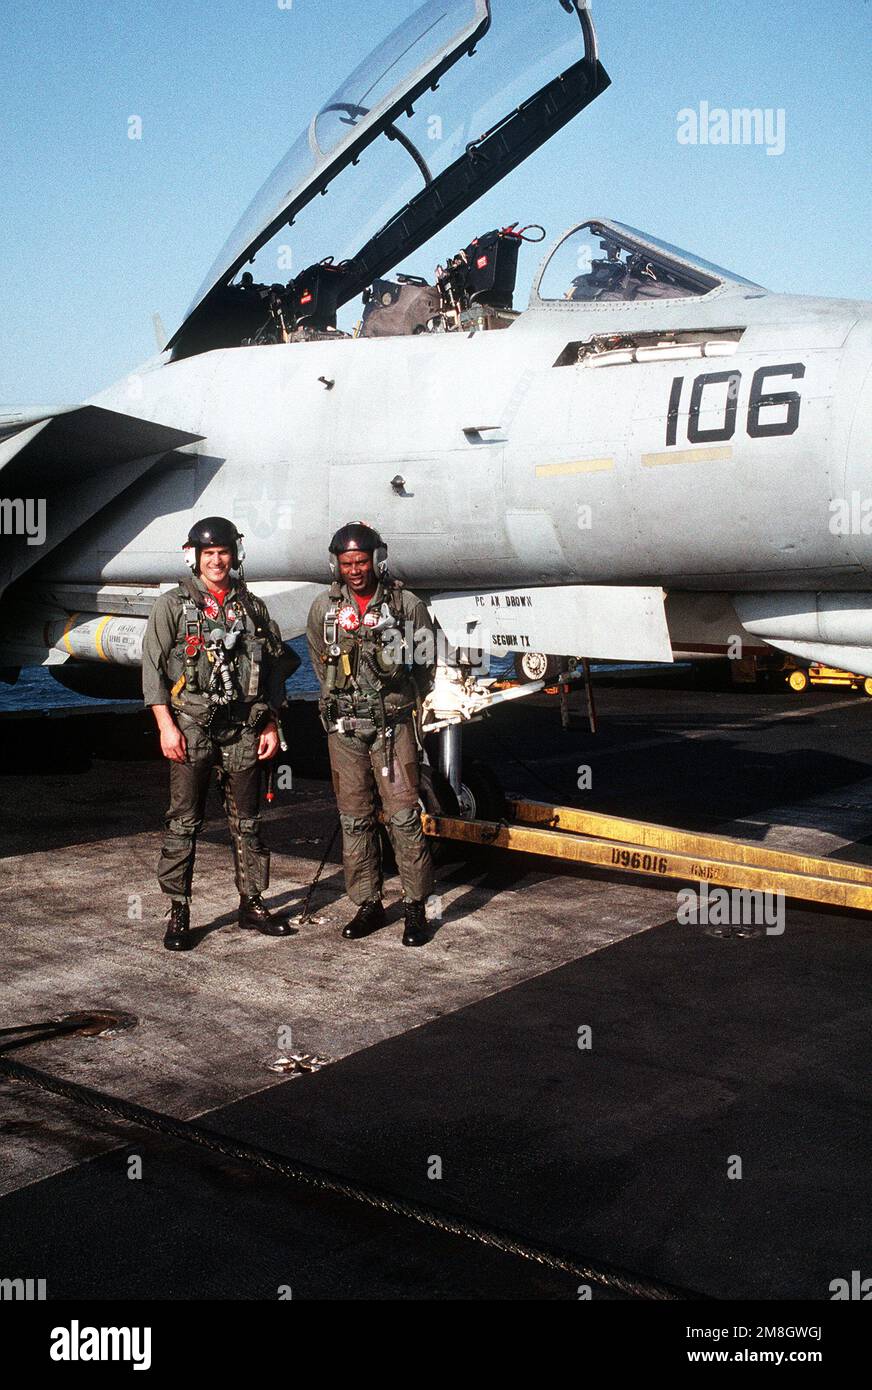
213, 672
373, 650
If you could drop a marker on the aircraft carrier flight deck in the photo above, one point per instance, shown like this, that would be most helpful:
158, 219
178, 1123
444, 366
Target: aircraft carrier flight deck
567, 1060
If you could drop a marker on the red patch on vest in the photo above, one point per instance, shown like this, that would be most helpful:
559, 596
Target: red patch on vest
210, 607
348, 618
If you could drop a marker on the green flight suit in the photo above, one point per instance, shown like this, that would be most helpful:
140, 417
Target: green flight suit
372, 683
184, 666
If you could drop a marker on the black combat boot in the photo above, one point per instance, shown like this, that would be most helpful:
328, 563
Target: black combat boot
178, 934
255, 915
368, 918
416, 932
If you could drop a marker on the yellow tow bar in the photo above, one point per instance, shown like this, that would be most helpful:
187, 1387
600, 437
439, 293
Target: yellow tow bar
659, 851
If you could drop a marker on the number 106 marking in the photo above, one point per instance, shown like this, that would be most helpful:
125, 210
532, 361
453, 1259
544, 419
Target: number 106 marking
760, 400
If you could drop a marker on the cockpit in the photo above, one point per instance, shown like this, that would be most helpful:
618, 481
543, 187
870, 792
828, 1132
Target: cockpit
601, 262
454, 100
364, 203
597, 266
471, 291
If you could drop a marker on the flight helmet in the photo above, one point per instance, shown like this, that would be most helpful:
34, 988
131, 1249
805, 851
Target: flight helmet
356, 535
212, 531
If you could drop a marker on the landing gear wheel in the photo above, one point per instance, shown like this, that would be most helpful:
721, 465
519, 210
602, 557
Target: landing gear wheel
438, 799
538, 666
437, 794
481, 796
798, 681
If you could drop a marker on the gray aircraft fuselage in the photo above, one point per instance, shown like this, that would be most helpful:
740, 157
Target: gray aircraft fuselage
484, 463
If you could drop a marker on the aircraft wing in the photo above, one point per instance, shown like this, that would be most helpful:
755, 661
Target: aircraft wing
58, 469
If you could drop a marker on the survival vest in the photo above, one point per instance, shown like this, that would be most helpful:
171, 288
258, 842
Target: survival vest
365, 652
219, 653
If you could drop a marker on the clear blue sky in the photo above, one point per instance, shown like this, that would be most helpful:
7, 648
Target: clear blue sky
98, 231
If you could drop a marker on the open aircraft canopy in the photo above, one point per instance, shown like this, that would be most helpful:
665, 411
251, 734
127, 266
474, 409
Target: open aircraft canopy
534, 68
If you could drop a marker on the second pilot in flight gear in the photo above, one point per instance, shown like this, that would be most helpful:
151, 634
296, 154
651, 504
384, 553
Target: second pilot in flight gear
373, 650
214, 670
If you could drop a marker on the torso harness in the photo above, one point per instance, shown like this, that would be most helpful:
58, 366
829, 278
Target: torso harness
367, 685
212, 678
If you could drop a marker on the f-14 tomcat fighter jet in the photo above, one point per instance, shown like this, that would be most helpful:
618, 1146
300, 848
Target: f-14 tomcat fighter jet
656, 454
